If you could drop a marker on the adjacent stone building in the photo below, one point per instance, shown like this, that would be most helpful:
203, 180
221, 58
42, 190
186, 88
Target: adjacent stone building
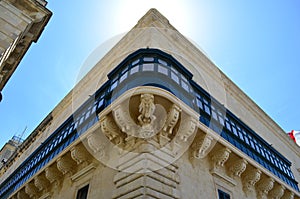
9, 148
155, 118
21, 23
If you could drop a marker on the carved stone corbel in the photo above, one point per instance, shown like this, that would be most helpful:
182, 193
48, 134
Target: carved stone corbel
80, 154
110, 129
124, 121
249, 180
172, 119
201, 147
277, 191
264, 186
187, 128
22, 195
238, 167
66, 165
41, 183
220, 157
288, 195
31, 190
95, 143
53, 175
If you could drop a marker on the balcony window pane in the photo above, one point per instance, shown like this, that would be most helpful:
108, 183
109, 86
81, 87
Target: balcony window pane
148, 67
134, 70
183, 78
135, 62
185, 86
207, 109
162, 62
199, 103
174, 77
114, 85
162, 70
174, 70
124, 76
149, 59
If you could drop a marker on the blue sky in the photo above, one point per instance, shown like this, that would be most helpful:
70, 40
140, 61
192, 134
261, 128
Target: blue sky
255, 43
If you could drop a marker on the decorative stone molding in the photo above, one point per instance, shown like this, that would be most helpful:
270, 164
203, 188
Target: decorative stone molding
31, 190
238, 167
53, 174
41, 183
220, 157
264, 186
201, 147
277, 191
250, 178
80, 154
65, 165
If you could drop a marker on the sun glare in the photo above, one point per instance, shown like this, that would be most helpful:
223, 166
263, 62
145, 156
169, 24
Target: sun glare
130, 11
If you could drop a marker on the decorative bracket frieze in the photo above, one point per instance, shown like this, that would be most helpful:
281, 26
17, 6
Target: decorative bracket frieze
80, 154
95, 143
111, 130
288, 195
187, 128
172, 119
238, 167
22, 195
53, 175
201, 146
277, 191
41, 183
31, 190
65, 164
264, 186
250, 178
220, 157
123, 120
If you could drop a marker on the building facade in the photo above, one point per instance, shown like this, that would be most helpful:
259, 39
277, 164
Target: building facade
21, 23
8, 149
164, 122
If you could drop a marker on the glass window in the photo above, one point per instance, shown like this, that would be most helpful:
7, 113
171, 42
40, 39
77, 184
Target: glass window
148, 67
135, 62
124, 76
175, 77
134, 70
184, 85
183, 78
207, 109
162, 70
114, 85
227, 124
174, 70
124, 69
83, 192
149, 59
223, 195
162, 62
199, 103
